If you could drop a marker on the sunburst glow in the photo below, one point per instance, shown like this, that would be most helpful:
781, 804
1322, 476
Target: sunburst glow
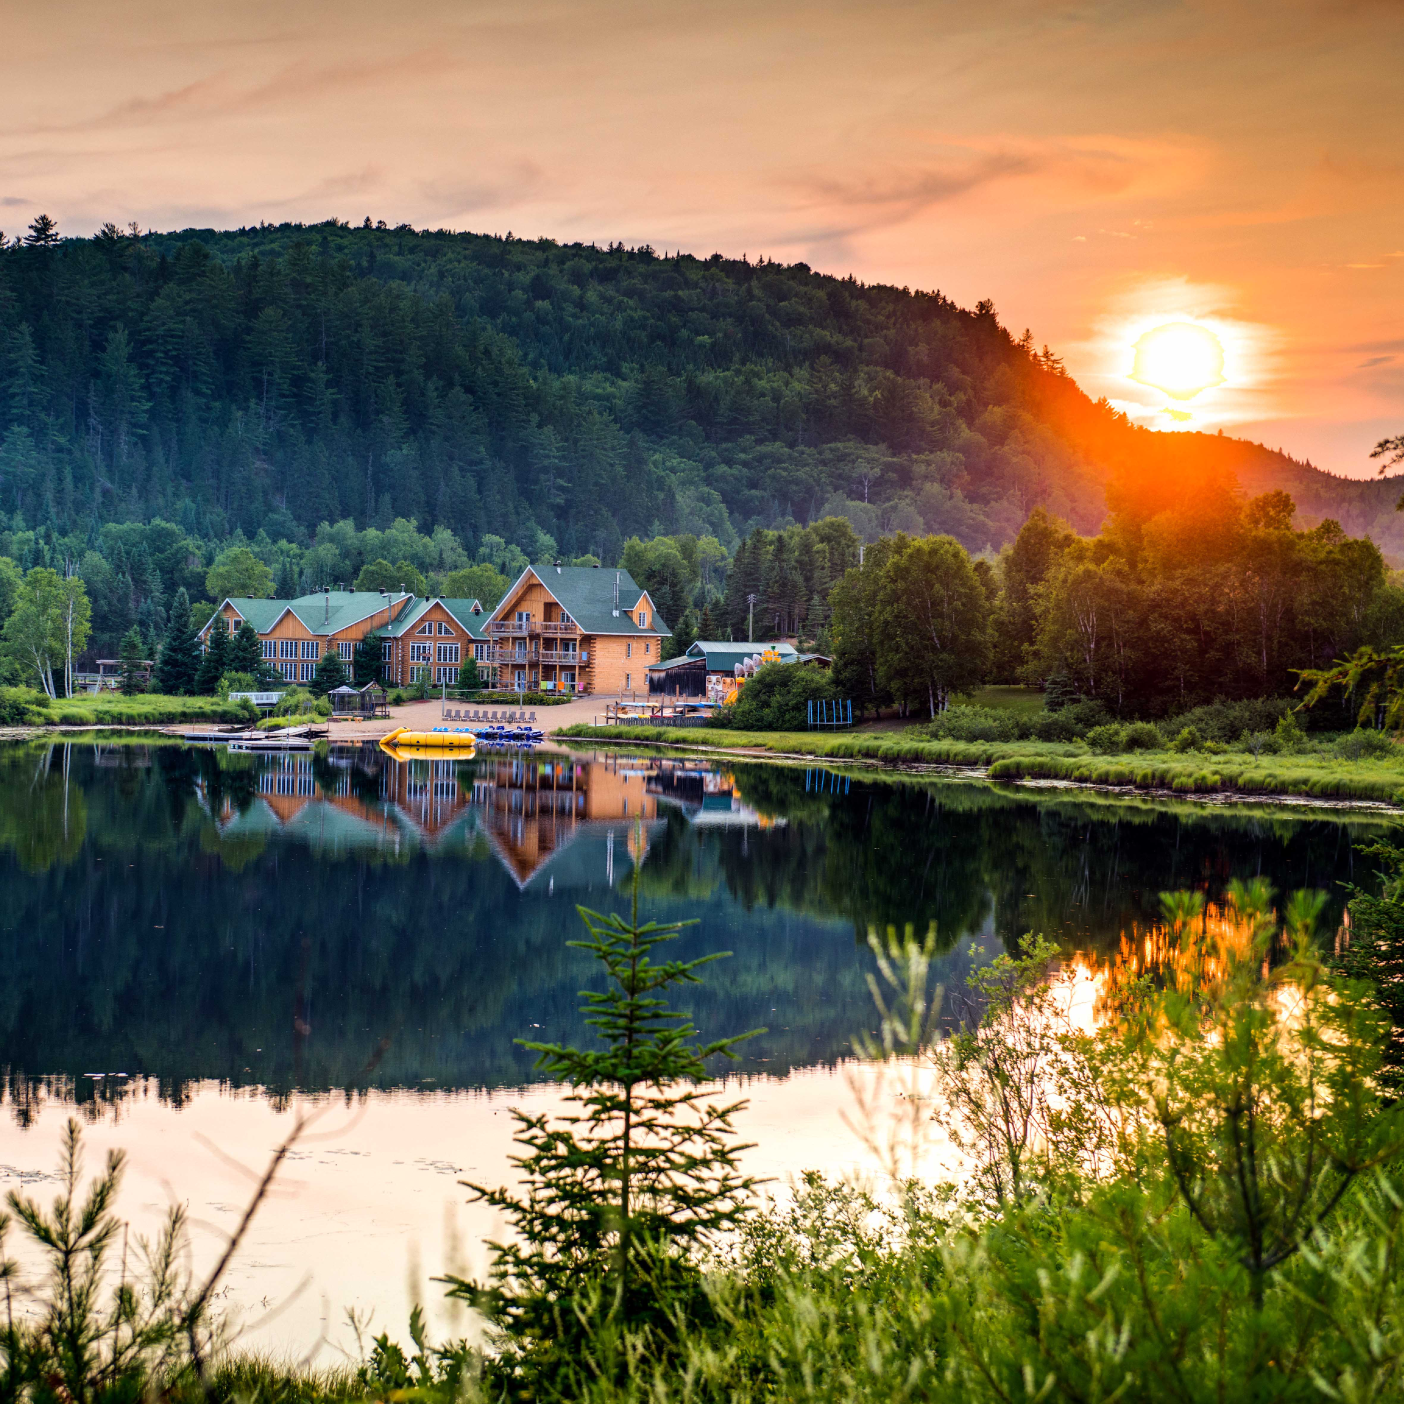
1180, 358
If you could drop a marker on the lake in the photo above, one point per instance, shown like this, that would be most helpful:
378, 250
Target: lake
194, 943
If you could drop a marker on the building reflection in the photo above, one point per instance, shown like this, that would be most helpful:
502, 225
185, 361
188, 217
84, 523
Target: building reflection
548, 815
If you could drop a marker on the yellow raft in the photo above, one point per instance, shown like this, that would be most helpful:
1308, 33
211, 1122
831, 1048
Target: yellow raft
441, 745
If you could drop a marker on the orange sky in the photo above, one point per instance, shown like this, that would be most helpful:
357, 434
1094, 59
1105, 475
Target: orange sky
1094, 167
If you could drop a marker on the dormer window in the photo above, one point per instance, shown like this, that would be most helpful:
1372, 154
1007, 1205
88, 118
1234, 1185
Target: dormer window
643, 620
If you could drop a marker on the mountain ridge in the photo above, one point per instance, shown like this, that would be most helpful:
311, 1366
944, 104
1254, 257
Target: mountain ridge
278, 376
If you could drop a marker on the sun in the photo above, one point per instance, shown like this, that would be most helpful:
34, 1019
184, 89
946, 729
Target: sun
1180, 358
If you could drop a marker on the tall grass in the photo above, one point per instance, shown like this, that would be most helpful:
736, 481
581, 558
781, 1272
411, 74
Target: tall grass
1323, 774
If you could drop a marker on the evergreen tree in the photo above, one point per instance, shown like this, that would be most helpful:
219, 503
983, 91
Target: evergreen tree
245, 652
331, 672
285, 586
707, 626
468, 676
180, 651
215, 661
133, 655
623, 1188
366, 665
683, 637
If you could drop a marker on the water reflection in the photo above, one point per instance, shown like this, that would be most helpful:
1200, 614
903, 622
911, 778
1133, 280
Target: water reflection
263, 922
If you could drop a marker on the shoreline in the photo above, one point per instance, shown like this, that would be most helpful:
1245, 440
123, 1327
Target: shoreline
1034, 771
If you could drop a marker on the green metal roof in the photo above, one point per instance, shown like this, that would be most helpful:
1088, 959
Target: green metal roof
329, 611
722, 657
326, 612
462, 611
586, 593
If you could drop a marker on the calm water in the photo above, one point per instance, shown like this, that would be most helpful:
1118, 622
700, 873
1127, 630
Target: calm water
191, 942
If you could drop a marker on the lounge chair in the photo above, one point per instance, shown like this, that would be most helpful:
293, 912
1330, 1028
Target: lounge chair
532, 718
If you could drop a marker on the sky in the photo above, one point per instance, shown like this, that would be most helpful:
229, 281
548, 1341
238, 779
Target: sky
1096, 169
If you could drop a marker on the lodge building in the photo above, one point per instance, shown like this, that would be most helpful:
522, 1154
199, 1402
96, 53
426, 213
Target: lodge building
558, 629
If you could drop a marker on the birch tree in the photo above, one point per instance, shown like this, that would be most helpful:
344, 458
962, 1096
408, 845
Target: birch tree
35, 633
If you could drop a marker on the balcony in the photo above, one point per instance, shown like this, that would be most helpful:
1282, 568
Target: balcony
554, 626
510, 628
570, 657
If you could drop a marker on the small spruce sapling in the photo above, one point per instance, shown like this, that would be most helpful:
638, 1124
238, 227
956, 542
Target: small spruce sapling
624, 1188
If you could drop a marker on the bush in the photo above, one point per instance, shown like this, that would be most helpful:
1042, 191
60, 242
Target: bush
1142, 736
17, 705
1108, 739
977, 724
1226, 721
1362, 744
1188, 739
774, 700
294, 701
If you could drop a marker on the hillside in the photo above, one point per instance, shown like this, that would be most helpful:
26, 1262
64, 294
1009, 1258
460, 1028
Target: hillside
282, 376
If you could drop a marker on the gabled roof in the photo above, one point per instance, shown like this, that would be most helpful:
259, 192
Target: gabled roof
325, 613
586, 593
722, 657
470, 614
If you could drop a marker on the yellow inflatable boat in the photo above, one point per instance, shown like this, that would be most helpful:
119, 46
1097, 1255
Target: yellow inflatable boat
441, 745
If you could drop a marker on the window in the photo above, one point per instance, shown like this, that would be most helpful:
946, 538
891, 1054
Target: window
647, 645
628, 680
309, 648
643, 620
446, 675
629, 650
289, 671
523, 616
479, 652
270, 648
448, 653
565, 618
421, 653
416, 672
425, 628
345, 648
307, 670
233, 626
386, 650
445, 630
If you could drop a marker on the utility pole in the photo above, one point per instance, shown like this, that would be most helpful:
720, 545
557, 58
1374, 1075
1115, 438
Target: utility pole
751, 619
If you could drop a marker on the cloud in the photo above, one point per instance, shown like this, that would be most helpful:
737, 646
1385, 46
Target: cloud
13, 202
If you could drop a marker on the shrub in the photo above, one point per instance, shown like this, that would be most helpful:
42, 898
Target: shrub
277, 721
1142, 736
1363, 744
1226, 721
1107, 739
774, 700
17, 705
1188, 739
976, 724
1289, 734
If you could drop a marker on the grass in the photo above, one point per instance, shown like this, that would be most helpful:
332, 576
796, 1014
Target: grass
1307, 776
301, 719
145, 709
1026, 701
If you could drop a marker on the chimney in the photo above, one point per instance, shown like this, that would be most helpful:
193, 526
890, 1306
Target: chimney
616, 594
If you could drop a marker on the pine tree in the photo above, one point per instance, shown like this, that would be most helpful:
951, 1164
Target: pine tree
707, 627
245, 652
331, 672
285, 586
366, 662
623, 1187
133, 655
180, 652
215, 661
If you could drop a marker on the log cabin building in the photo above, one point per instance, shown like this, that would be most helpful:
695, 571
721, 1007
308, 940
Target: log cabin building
579, 629
419, 638
568, 629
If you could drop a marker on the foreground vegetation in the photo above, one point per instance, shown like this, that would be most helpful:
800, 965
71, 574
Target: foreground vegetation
1199, 1200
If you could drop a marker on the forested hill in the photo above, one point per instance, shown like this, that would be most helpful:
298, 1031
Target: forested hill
283, 376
